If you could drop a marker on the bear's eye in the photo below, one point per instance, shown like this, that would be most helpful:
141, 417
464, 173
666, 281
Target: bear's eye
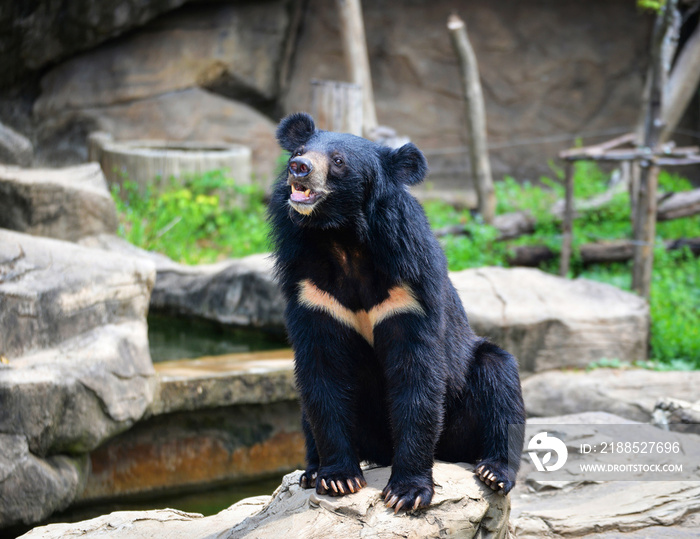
298, 153
338, 161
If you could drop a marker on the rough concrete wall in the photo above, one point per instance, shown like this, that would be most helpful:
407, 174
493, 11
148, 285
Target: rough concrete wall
34, 34
551, 69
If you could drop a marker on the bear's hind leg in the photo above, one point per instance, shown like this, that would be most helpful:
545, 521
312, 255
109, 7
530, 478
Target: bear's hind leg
494, 392
308, 478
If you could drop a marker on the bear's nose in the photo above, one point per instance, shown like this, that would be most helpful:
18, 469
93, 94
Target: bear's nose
300, 167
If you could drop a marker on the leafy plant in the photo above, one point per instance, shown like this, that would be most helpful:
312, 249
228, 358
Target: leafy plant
675, 287
209, 217
201, 218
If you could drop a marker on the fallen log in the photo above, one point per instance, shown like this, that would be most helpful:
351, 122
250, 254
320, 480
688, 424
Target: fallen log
510, 226
594, 253
682, 204
516, 224
531, 255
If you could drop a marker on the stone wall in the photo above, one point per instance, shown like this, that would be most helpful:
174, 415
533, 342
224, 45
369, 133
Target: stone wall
226, 71
36, 34
551, 70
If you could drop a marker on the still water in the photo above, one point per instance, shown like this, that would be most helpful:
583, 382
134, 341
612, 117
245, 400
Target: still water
207, 502
179, 338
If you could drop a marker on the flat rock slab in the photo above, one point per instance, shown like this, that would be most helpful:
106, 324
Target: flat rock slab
67, 203
548, 322
615, 508
630, 393
211, 382
462, 507
583, 507
76, 367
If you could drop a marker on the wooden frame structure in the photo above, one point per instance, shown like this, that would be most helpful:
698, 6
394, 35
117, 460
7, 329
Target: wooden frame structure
623, 150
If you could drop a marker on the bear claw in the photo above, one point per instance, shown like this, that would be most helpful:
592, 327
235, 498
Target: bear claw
308, 479
494, 478
340, 486
405, 499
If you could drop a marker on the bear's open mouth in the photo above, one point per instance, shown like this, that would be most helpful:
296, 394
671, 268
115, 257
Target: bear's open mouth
302, 194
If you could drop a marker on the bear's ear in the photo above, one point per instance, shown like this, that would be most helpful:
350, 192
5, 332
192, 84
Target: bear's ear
295, 130
408, 164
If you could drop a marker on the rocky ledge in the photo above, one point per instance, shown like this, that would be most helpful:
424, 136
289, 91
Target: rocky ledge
75, 366
462, 507
630, 393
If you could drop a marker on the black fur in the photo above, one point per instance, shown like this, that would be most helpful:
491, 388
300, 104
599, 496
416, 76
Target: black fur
427, 387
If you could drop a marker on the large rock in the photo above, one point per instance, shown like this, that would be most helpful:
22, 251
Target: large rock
548, 322
462, 507
630, 393
563, 71
638, 507
76, 367
203, 45
66, 204
31, 39
643, 509
238, 292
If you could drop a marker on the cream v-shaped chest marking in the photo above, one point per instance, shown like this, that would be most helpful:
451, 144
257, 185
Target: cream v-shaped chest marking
401, 300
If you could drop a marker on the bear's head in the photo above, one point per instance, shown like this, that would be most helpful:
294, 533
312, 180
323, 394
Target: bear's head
332, 179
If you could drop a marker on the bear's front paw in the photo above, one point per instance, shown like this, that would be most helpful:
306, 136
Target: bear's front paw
308, 478
339, 484
410, 494
495, 475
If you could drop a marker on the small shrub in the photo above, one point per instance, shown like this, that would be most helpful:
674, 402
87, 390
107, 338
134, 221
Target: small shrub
675, 287
190, 222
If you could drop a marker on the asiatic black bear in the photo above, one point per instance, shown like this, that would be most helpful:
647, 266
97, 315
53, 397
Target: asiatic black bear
387, 367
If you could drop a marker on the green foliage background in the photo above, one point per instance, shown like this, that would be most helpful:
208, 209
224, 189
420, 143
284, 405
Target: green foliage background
211, 217
200, 219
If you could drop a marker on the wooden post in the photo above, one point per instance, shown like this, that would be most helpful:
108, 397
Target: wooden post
645, 230
352, 30
633, 190
645, 218
476, 118
567, 223
337, 106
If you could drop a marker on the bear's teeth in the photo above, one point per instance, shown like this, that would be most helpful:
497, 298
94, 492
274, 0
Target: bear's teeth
307, 192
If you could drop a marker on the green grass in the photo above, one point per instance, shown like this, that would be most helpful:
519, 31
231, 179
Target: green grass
201, 219
675, 287
192, 223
